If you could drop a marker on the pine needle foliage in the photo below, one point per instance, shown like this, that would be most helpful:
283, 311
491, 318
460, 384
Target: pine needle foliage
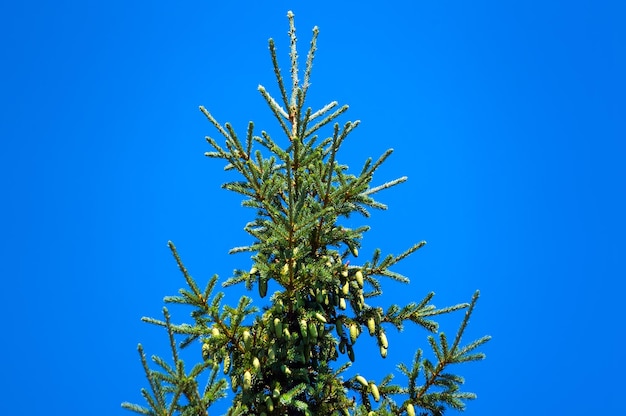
291, 357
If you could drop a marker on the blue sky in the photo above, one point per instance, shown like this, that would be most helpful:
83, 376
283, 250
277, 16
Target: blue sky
507, 117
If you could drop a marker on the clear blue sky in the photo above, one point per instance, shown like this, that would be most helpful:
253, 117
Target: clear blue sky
507, 117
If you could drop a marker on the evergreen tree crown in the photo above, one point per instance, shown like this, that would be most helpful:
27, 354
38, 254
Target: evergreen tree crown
291, 357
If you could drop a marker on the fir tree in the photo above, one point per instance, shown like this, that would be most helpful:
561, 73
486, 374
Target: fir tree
292, 357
